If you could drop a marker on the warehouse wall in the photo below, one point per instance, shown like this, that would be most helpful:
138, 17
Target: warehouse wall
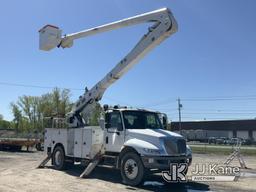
254, 135
205, 134
213, 133
243, 134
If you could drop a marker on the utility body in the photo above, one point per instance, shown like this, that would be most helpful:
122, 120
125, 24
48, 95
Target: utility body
132, 140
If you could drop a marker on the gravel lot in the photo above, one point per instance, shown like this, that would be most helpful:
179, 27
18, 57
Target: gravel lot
18, 173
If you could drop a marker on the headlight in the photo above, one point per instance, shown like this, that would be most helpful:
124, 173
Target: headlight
189, 155
152, 151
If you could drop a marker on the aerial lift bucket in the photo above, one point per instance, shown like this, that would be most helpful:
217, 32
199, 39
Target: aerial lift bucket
49, 37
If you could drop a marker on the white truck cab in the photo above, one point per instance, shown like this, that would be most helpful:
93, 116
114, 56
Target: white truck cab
143, 131
132, 140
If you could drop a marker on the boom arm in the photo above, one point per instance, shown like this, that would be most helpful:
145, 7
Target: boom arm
163, 26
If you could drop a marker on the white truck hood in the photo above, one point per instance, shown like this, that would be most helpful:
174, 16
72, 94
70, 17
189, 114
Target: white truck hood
157, 133
149, 138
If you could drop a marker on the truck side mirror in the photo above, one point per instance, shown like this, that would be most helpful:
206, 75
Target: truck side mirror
165, 123
107, 120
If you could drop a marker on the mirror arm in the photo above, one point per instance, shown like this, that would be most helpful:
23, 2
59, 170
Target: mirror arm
117, 132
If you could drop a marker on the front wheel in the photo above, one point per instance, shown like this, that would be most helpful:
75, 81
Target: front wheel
58, 158
132, 169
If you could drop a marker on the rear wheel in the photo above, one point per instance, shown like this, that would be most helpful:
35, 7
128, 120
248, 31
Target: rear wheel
132, 169
58, 158
39, 147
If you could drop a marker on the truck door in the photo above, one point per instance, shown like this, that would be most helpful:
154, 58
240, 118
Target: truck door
114, 132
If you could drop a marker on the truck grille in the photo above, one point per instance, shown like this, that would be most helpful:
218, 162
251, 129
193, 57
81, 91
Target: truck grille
181, 146
175, 146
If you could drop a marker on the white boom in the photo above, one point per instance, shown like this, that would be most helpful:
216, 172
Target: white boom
163, 26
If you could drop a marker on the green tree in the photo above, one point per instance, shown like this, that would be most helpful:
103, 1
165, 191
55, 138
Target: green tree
29, 111
96, 114
17, 121
3, 123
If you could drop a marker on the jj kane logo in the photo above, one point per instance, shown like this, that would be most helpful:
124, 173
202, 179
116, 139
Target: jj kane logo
177, 173
202, 172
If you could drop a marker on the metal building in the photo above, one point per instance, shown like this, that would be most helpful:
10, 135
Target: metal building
202, 130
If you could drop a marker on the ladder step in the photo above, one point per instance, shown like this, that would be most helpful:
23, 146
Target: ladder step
110, 156
106, 166
236, 154
231, 157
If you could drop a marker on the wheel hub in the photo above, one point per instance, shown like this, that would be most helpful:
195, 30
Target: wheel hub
131, 169
57, 158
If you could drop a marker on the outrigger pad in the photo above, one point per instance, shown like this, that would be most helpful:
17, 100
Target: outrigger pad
89, 168
43, 163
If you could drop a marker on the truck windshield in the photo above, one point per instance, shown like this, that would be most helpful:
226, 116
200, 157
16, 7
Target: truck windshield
141, 120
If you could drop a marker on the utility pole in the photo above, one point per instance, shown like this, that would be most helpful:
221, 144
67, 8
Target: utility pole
179, 109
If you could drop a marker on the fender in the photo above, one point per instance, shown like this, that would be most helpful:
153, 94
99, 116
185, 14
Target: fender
138, 145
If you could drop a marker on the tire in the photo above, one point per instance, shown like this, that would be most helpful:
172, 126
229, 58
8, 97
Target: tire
39, 147
132, 169
58, 158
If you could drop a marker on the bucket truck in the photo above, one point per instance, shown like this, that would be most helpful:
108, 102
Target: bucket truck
132, 140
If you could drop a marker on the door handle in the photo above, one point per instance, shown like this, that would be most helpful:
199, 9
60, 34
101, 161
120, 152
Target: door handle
106, 140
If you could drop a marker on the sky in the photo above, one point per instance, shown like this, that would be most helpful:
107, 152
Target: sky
209, 63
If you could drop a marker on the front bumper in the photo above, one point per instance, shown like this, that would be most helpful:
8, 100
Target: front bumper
163, 162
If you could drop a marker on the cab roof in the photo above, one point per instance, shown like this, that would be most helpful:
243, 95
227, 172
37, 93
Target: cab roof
133, 109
